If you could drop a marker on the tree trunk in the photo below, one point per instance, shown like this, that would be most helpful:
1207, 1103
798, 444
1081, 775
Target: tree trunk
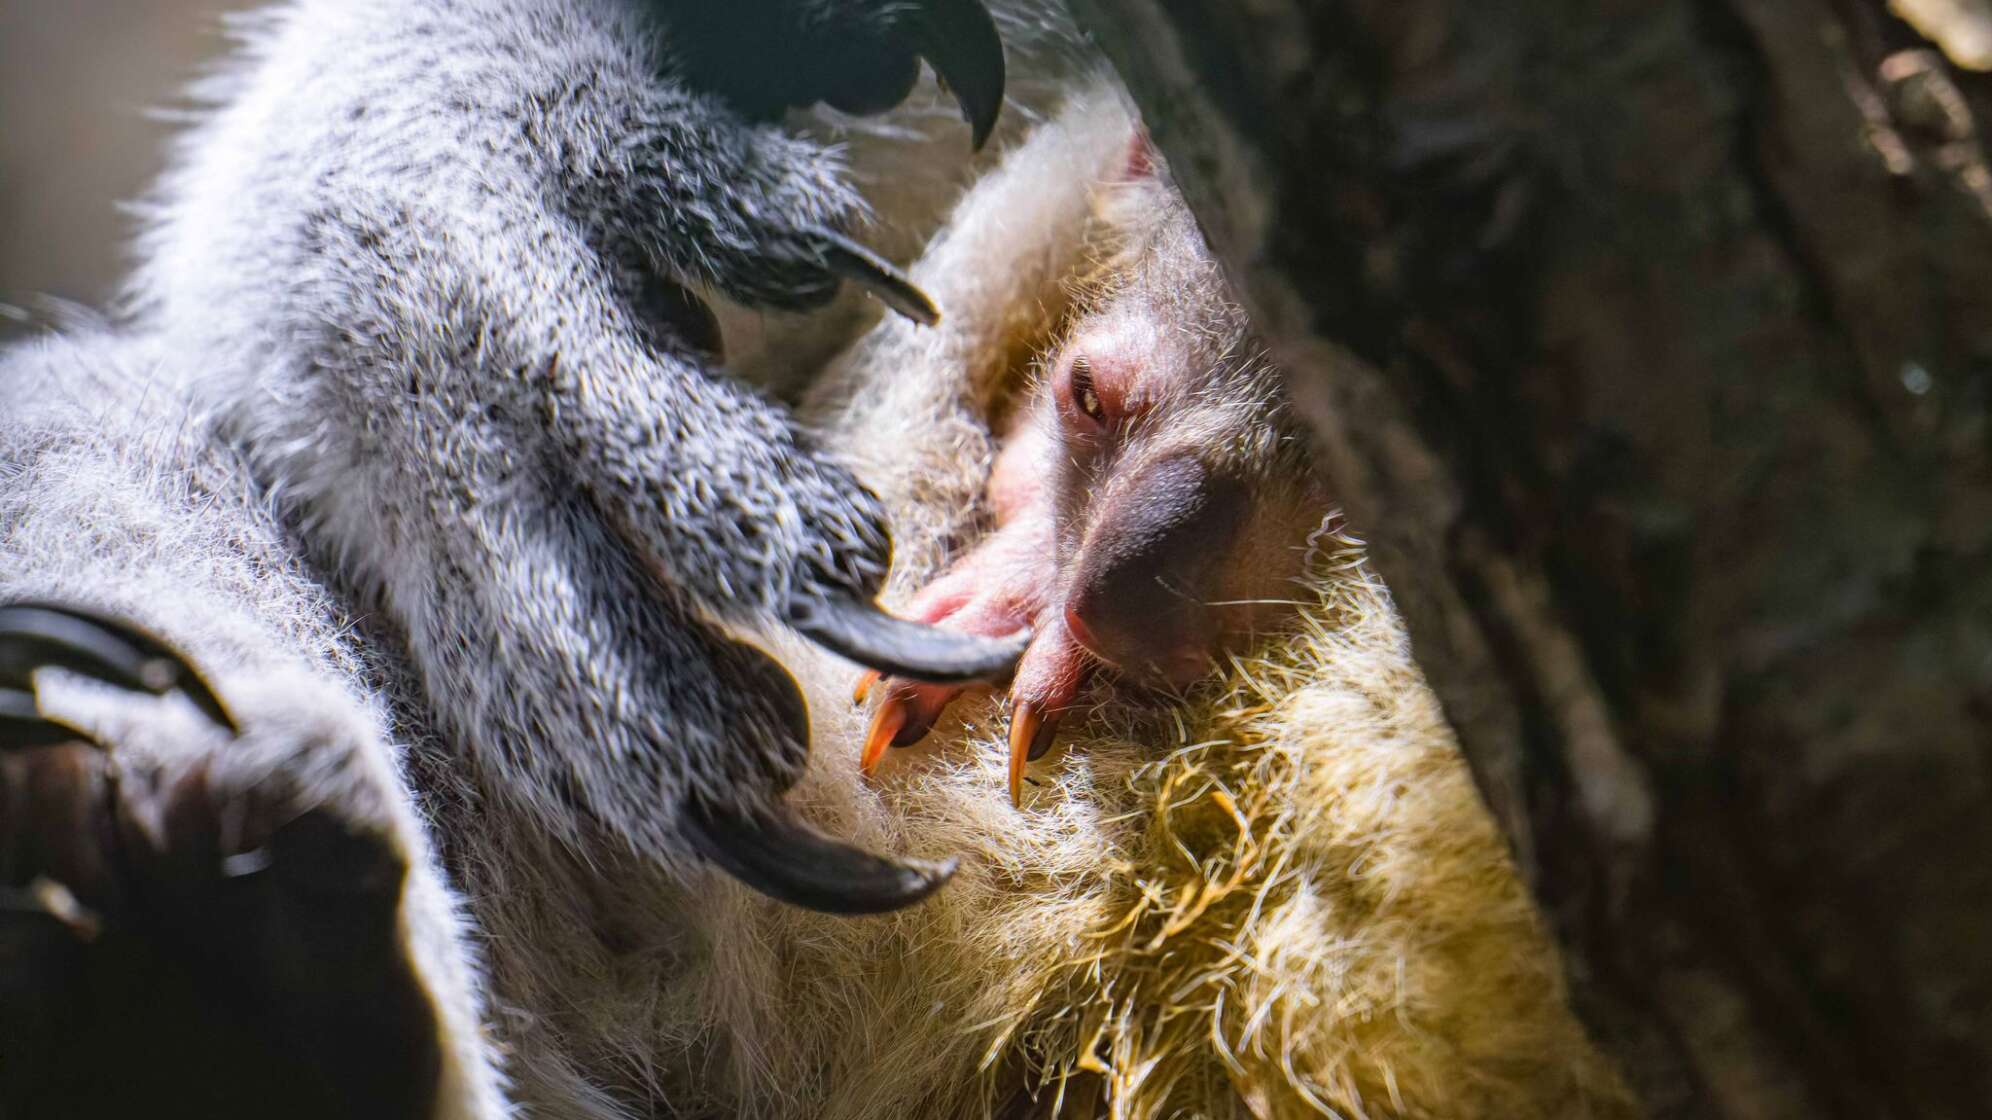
1650, 343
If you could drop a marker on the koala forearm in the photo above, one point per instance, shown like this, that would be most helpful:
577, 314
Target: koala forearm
115, 499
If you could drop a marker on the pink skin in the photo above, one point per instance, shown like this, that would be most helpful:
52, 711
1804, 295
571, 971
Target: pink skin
1006, 584
1089, 472
1145, 516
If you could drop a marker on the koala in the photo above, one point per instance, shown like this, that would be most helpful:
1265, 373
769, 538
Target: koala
1151, 502
1273, 893
527, 183
414, 433
411, 593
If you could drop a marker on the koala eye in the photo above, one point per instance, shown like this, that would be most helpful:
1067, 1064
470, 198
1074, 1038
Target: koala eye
1085, 394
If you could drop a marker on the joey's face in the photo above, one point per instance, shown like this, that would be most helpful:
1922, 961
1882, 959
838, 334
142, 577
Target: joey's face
1152, 505
1181, 520
1152, 512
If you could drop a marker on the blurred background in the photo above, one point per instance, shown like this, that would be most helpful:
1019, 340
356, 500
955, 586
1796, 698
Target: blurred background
78, 81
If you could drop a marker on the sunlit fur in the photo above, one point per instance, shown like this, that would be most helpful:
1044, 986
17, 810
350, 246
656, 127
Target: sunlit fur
356, 427
1281, 897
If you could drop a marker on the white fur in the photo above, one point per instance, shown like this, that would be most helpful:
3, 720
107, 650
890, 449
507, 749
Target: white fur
239, 467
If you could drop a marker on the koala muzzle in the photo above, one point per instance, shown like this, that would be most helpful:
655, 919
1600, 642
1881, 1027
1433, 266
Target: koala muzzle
1139, 600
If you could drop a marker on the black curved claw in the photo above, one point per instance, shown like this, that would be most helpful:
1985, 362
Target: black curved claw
861, 56
960, 41
791, 862
859, 265
897, 647
22, 725
35, 636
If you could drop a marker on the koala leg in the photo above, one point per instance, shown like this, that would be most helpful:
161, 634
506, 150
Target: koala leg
491, 392
209, 914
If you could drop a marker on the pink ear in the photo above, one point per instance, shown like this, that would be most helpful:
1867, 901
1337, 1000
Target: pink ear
1141, 157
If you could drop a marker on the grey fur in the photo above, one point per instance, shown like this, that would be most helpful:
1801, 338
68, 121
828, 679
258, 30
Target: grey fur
385, 440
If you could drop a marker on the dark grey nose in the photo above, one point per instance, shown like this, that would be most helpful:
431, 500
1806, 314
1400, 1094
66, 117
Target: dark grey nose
1140, 598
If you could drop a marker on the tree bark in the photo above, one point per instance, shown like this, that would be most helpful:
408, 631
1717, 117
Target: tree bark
1650, 344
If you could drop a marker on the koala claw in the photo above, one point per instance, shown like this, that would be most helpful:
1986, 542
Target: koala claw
960, 41
35, 636
866, 682
785, 859
859, 56
848, 259
906, 715
1032, 729
867, 635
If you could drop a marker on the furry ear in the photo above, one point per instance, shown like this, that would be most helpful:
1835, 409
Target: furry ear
1142, 160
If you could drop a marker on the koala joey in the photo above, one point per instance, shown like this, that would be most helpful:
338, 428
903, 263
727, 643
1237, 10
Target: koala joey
1153, 496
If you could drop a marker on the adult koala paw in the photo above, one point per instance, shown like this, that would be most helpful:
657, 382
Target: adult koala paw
860, 56
193, 911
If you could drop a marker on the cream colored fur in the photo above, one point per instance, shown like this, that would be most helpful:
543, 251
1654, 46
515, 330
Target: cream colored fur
1283, 899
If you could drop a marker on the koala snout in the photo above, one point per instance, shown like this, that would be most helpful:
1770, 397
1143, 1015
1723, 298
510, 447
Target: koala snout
1140, 596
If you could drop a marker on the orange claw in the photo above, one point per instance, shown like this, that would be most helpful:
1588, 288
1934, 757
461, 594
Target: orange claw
1031, 732
885, 726
870, 678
